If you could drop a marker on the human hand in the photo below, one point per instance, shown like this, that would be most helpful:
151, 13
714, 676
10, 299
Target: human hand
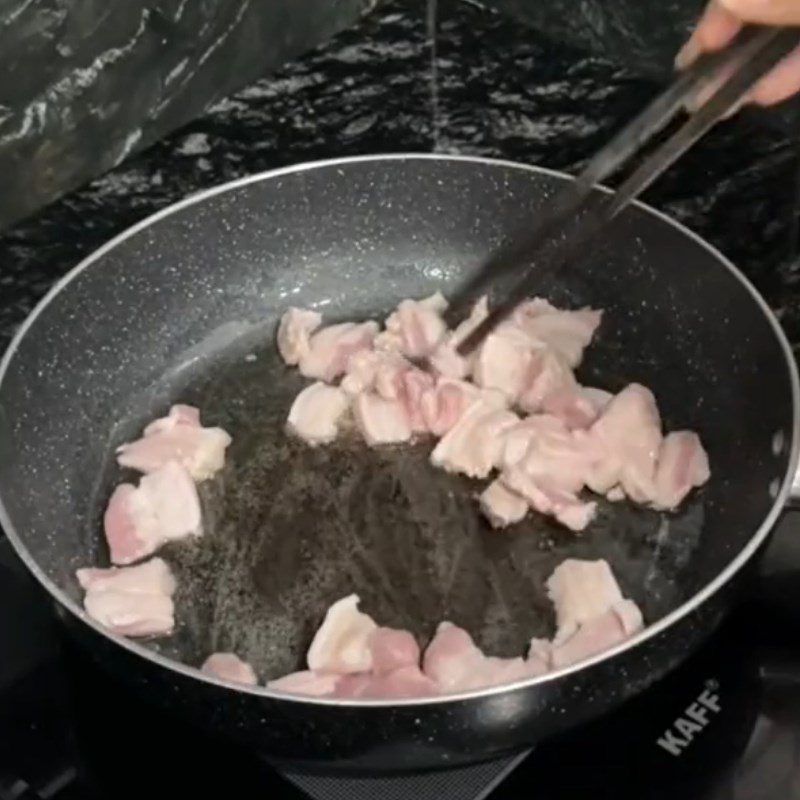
720, 23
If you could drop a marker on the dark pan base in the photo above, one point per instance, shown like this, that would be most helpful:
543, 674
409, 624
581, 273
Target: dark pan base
173, 310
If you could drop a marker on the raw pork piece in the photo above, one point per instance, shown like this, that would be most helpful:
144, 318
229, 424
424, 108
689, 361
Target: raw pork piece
377, 370
330, 349
151, 577
317, 412
547, 374
445, 359
598, 634
394, 671
412, 386
474, 446
504, 362
306, 682
682, 465
577, 407
444, 405
565, 506
229, 667
501, 506
580, 591
456, 663
415, 327
132, 601
557, 458
566, 333
177, 437
404, 682
381, 421
342, 643
392, 649
628, 438
294, 333
165, 507
519, 438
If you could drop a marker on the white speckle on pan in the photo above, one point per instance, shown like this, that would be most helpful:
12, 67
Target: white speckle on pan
778, 441
774, 487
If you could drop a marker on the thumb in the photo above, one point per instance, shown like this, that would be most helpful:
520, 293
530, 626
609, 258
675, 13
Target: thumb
765, 12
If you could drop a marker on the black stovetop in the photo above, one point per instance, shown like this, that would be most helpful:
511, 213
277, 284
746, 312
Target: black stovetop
725, 725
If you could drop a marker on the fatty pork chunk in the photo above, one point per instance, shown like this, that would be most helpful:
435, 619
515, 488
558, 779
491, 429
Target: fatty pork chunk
591, 613
546, 462
229, 667
531, 355
130, 601
177, 437
415, 328
317, 413
164, 507
456, 664
330, 348
352, 657
543, 466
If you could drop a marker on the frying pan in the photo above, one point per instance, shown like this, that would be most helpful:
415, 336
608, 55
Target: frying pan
184, 305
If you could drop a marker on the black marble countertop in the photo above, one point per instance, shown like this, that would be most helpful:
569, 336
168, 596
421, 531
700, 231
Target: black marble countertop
500, 90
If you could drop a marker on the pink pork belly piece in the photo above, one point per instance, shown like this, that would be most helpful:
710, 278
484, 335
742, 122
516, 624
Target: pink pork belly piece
392, 649
151, 577
455, 663
444, 359
474, 445
567, 333
557, 458
443, 405
331, 348
229, 667
179, 414
565, 506
682, 465
410, 388
504, 362
501, 506
628, 437
598, 634
581, 590
377, 370
165, 507
177, 437
402, 683
317, 412
577, 407
133, 601
547, 374
306, 682
519, 438
342, 645
415, 327
381, 421
294, 333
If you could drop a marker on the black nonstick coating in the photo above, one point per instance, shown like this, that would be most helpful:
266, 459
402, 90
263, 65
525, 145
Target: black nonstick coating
185, 309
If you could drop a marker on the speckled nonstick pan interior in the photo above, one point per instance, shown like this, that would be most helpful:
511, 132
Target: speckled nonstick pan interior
185, 306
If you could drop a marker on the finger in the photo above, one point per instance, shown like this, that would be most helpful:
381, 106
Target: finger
765, 12
717, 27
780, 84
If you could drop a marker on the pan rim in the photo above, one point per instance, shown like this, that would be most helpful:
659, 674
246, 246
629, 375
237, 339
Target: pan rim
261, 691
